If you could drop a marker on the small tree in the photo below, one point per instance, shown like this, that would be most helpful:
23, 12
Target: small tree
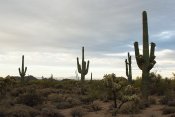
120, 90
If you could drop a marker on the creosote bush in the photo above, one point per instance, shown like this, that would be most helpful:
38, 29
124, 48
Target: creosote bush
21, 111
77, 112
30, 98
50, 112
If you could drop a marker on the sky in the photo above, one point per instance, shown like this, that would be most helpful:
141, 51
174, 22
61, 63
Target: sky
51, 33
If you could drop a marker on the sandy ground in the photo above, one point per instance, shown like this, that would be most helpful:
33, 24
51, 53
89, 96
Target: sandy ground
152, 111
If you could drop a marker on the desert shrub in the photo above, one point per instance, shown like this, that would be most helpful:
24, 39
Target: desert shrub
3, 111
152, 100
59, 86
93, 107
168, 110
169, 96
17, 91
164, 100
143, 104
50, 112
86, 99
45, 83
130, 108
96, 107
22, 111
171, 103
137, 82
77, 112
63, 105
30, 98
7, 101
56, 97
74, 101
46, 91
173, 115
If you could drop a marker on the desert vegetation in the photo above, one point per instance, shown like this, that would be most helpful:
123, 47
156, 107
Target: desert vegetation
150, 95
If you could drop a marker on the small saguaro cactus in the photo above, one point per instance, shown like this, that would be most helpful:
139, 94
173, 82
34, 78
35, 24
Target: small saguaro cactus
82, 69
22, 71
128, 71
91, 76
146, 61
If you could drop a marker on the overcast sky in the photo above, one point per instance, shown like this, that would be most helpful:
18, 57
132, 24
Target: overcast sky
50, 33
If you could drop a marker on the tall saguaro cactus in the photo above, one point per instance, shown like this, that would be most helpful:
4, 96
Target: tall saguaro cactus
83, 68
128, 71
146, 61
22, 71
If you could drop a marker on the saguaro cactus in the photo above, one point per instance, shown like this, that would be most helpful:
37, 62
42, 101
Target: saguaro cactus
91, 76
22, 71
146, 61
128, 71
82, 69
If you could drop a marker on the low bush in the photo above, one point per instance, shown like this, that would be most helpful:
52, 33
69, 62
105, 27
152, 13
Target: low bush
152, 100
129, 108
31, 98
50, 112
63, 105
171, 103
168, 110
22, 111
77, 112
86, 99
53, 97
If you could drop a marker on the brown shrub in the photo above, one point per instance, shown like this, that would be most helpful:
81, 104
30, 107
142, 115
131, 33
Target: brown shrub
22, 111
50, 112
77, 112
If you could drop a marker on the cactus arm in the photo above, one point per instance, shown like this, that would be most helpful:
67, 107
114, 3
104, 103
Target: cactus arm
126, 63
25, 70
78, 65
136, 47
152, 62
19, 71
87, 68
152, 56
91, 76
139, 58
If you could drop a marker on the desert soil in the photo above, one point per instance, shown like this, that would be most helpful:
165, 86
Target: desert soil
152, 111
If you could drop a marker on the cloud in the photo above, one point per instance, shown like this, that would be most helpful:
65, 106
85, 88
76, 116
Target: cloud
165, 35
51, 33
